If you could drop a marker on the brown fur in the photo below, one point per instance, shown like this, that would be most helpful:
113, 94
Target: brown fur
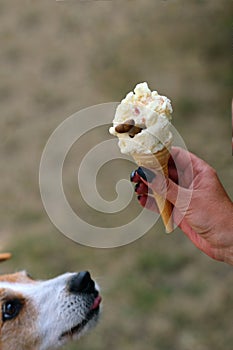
22, 323
21, 277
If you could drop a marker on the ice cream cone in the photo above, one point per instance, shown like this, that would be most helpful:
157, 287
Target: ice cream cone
159, 162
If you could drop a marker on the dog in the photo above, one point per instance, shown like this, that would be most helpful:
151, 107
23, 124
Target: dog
43, 315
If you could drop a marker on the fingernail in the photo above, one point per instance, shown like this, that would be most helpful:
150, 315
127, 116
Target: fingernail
146, 174
134, 177
136, 186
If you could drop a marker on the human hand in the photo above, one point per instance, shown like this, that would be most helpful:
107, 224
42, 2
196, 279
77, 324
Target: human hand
202, 208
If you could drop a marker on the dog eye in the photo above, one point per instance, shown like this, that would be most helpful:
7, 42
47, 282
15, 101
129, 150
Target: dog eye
11, 309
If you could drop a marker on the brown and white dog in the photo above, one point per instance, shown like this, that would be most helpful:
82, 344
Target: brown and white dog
42, 315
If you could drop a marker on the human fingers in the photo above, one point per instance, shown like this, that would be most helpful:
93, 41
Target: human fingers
185, 160
148, 202
134, 177
188, 165
179, 161
177, 195
172, 169
181, 157
141, 188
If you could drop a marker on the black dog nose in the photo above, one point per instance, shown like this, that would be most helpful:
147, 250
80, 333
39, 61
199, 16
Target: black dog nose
81, 283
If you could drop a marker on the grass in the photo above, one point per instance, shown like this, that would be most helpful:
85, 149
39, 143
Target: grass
150, 262
160, 293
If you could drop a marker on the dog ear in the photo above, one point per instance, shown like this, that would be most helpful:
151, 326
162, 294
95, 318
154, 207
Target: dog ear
5, 256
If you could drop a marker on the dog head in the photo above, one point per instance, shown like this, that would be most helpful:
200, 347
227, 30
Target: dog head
42, 315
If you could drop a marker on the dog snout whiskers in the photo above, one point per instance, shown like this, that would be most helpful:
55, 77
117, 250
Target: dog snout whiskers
81, 283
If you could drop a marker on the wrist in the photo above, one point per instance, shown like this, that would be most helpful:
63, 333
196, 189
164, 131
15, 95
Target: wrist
225, 232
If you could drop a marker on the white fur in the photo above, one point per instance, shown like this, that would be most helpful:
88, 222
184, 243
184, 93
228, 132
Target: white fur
57, 309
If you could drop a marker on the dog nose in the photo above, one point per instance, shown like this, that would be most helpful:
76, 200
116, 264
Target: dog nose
81, 283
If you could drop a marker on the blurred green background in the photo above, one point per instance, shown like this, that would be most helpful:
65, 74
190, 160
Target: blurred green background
58, 57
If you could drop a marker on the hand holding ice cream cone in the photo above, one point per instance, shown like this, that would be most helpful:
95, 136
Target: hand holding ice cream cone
159, 162
142, 125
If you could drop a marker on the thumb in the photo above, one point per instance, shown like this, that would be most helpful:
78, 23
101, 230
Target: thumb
179, 196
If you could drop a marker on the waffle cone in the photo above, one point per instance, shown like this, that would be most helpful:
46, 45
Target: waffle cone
159, 162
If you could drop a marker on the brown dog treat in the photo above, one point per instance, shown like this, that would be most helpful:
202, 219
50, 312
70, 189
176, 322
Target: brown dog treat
5, 256
125, 127
134, 131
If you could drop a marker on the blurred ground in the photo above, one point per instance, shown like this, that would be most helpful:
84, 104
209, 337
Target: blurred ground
58, 57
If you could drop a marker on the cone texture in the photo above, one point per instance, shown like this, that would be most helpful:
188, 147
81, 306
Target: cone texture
159, 162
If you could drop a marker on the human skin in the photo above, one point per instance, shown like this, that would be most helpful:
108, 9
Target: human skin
232, 126
202, 208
